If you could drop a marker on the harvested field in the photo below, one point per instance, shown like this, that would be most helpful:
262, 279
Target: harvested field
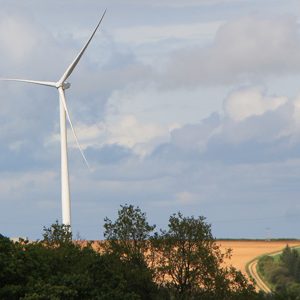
245, 251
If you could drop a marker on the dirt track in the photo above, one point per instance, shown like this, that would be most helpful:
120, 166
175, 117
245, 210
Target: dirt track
246, 251
259, 282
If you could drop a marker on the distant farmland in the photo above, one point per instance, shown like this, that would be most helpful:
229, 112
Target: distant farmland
246, 250
243, 251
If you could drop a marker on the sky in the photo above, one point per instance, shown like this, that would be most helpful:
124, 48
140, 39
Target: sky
190, 106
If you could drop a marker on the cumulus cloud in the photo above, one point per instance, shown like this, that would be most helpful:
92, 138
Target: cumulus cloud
140, 122
28, 47
243, 49
193, 136
124, 133
254, 127
30, 117
127, 131
250, 102
21, 47
296, 115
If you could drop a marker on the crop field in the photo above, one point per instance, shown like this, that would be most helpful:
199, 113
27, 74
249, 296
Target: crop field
245, 251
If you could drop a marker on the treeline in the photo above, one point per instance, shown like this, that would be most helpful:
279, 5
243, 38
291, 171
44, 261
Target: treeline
283, 273
135, 262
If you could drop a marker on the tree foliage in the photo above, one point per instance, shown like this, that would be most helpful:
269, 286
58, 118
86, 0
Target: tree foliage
190, 262
129, 234
283, 274
57, 268
57, 235
128, 238
182, 262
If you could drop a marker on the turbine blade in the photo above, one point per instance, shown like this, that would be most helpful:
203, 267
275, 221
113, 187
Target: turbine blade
63, 100
47, 83
72, 66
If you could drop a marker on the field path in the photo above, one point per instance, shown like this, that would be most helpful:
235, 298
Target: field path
252, 268
245, 251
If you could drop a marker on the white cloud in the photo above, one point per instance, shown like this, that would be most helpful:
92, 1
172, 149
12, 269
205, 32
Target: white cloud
165, 107
242, 50
250, 102
126, 131
26, 47
240, 161
296, 115
246, 117
186, 198
254, 127
154, 34
17, 38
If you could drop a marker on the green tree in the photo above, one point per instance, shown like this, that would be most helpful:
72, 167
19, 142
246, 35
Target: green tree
57, 235
57, 268
11, 277
191, 263
128, 238
265, 263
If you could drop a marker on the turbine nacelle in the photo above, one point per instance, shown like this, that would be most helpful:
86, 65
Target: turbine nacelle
65, 85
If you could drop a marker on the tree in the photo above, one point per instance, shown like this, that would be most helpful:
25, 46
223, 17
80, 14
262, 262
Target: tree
57, 268
291, 260
128, 239
191, 262
129, 235
11, 277
57, 235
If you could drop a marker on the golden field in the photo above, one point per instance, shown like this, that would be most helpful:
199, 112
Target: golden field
245, 251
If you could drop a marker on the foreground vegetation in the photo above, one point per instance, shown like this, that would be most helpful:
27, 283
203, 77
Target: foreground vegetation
182, 262
282, 272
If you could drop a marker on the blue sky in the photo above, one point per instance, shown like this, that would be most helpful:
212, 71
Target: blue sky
189, 106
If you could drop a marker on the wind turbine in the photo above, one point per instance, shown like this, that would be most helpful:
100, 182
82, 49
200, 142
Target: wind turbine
61, 85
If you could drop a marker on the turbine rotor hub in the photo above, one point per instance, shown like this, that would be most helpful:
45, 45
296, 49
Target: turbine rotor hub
66, 85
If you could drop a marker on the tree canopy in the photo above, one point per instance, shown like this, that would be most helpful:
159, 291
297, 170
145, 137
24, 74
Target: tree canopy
283, 273
182, 262
190, 262
57, 268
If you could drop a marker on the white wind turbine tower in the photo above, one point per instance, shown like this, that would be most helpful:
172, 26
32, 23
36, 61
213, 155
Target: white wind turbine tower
61, 85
